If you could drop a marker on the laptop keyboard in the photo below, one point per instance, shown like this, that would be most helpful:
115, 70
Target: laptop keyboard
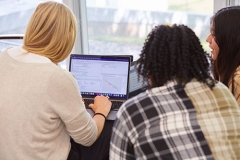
115, 104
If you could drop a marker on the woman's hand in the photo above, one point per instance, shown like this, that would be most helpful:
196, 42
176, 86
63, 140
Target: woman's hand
101, 105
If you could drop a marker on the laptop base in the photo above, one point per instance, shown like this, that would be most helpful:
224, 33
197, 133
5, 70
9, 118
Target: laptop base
111, 116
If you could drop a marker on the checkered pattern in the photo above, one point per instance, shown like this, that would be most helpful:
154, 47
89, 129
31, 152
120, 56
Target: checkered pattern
172, 122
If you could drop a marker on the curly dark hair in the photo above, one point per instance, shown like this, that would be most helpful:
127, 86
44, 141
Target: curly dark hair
174, 53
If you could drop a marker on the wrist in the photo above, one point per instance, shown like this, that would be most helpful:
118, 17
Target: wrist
105, 113
100, 114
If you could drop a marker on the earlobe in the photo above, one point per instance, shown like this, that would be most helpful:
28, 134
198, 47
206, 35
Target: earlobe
150, 80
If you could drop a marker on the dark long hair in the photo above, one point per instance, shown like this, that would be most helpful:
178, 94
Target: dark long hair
174, 53
226, 25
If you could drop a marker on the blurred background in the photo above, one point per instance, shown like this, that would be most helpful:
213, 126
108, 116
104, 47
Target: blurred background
114, 26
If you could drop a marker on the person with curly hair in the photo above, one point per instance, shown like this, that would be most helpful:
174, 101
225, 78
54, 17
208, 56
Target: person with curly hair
185, 113
224, 41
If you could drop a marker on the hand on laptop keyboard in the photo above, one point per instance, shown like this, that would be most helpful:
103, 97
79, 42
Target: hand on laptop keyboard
101, 105
115, 104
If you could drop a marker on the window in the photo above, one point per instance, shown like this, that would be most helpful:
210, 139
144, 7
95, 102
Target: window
13, 21
234, 2
121, 26
14, 16
115, 26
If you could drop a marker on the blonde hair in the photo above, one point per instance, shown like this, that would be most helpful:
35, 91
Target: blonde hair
51, 31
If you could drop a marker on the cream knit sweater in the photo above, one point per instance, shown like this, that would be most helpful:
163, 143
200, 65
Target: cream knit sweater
40, 108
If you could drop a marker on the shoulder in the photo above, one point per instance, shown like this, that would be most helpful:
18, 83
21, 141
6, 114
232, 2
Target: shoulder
58, 71
130, 103
135, 106
219, 91
137, 99
237, 76
199, 87
61, 76
219, 86
223, 95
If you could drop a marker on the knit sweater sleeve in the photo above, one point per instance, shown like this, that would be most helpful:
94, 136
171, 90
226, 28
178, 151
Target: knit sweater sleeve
65, 97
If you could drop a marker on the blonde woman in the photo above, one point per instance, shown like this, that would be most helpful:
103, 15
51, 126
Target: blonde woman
41, 106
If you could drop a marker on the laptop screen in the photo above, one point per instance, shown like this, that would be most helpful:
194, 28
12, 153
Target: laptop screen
136, 85
101, 75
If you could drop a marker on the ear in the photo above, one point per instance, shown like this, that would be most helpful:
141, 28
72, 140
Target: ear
150, 80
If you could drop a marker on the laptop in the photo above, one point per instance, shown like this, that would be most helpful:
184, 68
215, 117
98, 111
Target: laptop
131, 57
102, 75
136, 85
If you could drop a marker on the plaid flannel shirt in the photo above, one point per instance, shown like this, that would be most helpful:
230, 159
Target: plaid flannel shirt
174, 122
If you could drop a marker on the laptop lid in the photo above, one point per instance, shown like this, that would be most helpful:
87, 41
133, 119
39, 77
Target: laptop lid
101, 75
136, 85
130, 56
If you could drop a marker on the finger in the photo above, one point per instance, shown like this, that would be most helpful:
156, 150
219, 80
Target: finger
90, 105
107, 96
